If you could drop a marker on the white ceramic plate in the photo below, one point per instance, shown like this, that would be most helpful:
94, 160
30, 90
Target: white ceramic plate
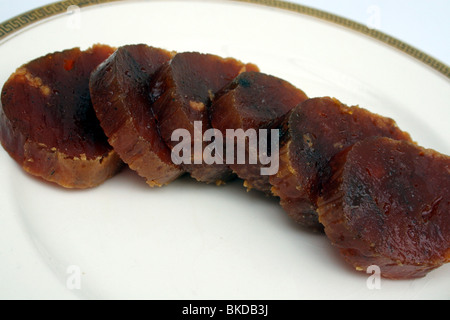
193, 241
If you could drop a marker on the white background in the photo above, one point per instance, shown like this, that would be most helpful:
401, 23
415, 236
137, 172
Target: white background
424, 24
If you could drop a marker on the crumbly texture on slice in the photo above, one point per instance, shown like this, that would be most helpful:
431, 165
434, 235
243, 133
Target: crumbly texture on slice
318, 129
120, 91
48, 124
254, 100
388, 204
182, 93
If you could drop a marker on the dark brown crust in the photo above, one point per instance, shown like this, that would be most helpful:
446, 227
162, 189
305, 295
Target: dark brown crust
254, 100
121, 97
320, 128
381, 199
48, 124
388, 204
286, 186
182, 93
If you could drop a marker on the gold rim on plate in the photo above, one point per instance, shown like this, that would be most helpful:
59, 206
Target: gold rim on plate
28, 18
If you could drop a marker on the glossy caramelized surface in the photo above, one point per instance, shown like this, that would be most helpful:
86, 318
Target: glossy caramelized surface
182, 93
121, 97
48, 124
388, 204
48, 101
254, 100
320, 128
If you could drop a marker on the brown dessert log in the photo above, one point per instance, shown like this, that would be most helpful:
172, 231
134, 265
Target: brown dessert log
120, 94
320, 128
254, 100
48, 124
182, 93
388, 204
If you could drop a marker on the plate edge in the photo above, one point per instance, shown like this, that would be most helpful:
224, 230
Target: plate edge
28, 18
360, 28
